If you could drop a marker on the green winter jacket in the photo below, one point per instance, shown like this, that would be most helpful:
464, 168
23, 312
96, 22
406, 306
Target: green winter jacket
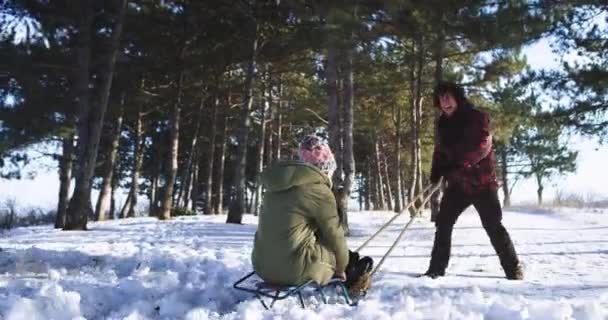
299, 237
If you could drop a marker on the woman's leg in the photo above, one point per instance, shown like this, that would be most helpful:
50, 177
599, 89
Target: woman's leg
490, 212
452, 205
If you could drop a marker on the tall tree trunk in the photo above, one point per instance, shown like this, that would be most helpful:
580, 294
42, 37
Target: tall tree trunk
171, 169
347, 136
115, 182
78, 212
418, 152
187, 173
186, 184
360, 191
278, 124
418, 139
269, 140
334, 124
413, 162
403, 188
332, 88
191, 177
271, 131
333, 111
177, 185
157, 144
335, 136
194, 190
439, 53
415, 87
379, 179
125, 206
104, 205
210, 160
338, 149
90, 116
65, 179
539, 191
153, 196
221, 161
267, 93
237, 205
373, 186
397, 190
388, 189
291, 153
138, 156
367, 184
249, 199
505, 181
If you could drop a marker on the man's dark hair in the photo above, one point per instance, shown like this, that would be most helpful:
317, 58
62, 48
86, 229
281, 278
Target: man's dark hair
452, 88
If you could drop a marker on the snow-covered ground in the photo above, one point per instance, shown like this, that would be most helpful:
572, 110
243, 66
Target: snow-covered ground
184, 269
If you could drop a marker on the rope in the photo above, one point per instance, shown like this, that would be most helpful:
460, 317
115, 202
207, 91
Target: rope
403, 231
411, 203
392, 247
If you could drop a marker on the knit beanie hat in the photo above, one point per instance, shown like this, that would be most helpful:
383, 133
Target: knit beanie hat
315, 151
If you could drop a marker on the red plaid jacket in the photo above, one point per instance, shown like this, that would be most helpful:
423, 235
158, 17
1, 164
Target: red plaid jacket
463, 155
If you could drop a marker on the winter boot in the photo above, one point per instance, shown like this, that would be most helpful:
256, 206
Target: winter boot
517, 273
433, 274
358, 276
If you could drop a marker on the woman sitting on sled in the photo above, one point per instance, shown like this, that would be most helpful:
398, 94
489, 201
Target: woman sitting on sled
299, 237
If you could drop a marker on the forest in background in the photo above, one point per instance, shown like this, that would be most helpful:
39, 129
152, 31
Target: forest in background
183, 103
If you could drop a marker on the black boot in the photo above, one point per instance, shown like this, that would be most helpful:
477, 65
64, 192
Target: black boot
506, 254
515, 273
433, 274
358, 276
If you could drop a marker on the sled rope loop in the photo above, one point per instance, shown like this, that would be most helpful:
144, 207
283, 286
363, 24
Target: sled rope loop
410, 204
430, 189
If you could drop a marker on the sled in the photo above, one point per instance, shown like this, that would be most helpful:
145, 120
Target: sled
275, 293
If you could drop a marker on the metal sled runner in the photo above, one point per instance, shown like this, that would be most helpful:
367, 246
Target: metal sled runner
275, 293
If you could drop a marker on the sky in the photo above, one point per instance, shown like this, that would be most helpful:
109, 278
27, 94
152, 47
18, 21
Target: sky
590, 179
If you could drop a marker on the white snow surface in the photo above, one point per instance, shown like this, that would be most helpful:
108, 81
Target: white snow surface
143, 268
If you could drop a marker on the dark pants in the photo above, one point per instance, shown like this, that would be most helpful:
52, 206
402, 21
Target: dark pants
487, 205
